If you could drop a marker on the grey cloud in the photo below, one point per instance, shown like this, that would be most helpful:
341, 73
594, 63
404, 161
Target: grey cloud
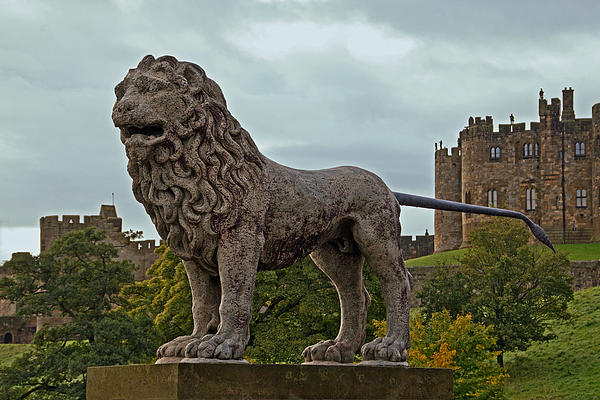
312, 108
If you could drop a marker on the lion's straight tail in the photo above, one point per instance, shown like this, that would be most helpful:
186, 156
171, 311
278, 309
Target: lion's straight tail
426, 202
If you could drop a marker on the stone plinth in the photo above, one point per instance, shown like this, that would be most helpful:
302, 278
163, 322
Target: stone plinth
266, 381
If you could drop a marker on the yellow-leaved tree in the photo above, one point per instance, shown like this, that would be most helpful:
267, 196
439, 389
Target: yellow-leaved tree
460, 344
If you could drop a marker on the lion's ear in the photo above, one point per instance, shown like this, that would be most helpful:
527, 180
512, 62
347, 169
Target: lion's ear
194, 75
146, 62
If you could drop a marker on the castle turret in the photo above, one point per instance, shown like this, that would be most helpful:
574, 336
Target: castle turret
448, 224
595, 151
568, 113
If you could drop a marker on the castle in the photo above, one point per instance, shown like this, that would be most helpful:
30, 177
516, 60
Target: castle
550, 172
15, 329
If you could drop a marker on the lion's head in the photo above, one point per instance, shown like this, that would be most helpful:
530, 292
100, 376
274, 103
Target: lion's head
190, 160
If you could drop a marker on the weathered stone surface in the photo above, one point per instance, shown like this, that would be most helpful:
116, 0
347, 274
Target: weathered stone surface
228, 211
237, 381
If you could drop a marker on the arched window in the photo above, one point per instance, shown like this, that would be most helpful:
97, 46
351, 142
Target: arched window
581, 198
580, 149
492, 198
527, 150
495, 153
530, 197
8, 338
537, 149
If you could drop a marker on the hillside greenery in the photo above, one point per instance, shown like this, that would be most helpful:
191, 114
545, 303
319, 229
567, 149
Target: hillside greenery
568, 366
505, 283
574, 252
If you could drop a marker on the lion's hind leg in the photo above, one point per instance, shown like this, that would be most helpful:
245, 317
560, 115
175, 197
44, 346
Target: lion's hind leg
345, 272
381, 248
206, 295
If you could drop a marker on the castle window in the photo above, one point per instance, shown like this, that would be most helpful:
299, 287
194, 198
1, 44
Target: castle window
8, 338
530, 195
537, 149
492, 198
581, 198
556, 202
580, 149
495, 153
527, 150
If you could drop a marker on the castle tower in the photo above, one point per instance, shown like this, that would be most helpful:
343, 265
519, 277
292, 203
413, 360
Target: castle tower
448, 224
568, 112
595, 153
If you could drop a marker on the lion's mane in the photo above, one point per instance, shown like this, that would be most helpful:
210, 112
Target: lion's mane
202, 166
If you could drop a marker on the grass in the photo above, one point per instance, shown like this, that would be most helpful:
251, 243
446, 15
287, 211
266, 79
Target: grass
567, 367
10, 352
575, 252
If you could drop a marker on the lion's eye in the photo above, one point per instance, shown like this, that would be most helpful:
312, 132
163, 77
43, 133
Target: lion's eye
158, 85
120, 90
142, 83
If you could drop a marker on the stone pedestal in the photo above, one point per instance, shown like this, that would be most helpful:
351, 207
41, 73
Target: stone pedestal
266, 381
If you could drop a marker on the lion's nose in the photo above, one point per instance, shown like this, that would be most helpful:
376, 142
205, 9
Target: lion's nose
124, 106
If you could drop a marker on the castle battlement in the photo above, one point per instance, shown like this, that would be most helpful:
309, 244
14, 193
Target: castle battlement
441, 155
521, 169
140, 252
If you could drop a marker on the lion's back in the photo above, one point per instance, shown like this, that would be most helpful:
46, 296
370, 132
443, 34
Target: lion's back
306, 207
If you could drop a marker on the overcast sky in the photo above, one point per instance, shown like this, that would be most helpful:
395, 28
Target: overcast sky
316, 83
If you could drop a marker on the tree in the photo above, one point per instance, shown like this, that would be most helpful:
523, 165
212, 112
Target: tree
292, 308
78, 279
164, 297
460, 344
505, 283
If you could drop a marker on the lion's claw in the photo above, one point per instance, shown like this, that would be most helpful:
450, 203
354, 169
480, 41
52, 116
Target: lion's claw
215, 346
329, 350
175, 348
385, 349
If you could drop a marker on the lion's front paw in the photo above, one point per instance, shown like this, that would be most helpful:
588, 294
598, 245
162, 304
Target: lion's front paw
175, 348
216, 346
329, 350
385, 349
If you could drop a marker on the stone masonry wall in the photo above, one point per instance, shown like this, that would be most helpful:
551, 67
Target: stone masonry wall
448, 224
514, 172
586, 274
140, 252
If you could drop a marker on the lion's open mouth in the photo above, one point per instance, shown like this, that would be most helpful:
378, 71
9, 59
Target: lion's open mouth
151, 131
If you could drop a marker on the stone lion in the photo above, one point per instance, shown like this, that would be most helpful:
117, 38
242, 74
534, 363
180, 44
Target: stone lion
228, 211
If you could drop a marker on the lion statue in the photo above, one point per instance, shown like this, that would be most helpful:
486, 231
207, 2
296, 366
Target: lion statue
228, 211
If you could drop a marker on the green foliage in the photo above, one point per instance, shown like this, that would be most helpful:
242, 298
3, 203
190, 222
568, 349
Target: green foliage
292, 308
504, 283
296, 307
566, 367
460, 344
164, 297
78, 278
574, 251
10, 352
451, 257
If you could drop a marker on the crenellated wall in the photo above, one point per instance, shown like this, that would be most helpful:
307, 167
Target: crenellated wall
513, 173
448, 226
140, 252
